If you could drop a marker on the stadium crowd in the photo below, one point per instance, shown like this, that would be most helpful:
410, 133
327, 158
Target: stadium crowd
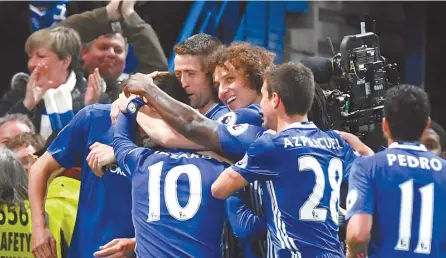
229, 156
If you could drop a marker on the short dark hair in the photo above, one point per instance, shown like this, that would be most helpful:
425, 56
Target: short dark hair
294, 83
170, 84
438, 129
25, 140
407, 110
251, 59
201, 45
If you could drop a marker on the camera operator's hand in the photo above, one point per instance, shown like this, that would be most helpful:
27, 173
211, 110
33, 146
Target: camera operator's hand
356, 143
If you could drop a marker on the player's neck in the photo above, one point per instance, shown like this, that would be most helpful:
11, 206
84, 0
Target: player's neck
207, 107
285, 121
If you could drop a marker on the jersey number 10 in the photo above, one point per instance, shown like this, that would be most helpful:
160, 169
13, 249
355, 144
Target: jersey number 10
170, 191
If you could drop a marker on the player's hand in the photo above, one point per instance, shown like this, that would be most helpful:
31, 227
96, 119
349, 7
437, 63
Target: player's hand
119, 105
100, 155
94, 88
138, 84
117, 248
356, 143
43, 244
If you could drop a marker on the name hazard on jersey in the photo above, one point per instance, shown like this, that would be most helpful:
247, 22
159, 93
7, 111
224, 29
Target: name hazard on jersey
14, 242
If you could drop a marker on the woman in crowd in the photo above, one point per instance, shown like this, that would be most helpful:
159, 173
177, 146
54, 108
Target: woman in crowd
52, 93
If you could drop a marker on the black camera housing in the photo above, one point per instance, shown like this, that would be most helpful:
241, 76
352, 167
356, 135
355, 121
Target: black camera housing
363, 78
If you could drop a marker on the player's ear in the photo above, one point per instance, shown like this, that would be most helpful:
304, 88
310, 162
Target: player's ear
385, 128
275, 100
428, 123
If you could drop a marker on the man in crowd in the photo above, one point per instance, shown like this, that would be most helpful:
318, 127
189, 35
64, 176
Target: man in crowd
13, 125
396, 197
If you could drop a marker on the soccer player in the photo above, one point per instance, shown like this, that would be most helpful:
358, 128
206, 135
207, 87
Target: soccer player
301, 167
174, 212
103, 201
395, 197
232, 140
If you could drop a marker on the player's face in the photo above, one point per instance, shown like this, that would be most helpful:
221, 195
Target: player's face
234, 90
107, 54
431, 140
11, 129
197, 85
266, 105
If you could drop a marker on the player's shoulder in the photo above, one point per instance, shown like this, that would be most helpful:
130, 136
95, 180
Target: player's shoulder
265, 142
241, 116
96, 111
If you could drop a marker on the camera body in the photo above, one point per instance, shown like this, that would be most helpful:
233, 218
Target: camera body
362, 77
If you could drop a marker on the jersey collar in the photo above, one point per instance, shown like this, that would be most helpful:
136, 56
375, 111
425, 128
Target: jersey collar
408, 146
302, 125
210, 110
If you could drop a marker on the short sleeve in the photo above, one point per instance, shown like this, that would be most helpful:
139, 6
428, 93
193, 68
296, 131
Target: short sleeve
242, 116
68, 146
259, 162
360, 198
236, 139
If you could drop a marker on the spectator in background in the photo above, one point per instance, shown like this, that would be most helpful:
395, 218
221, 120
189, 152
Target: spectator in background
105, 33
434, 139
13, 125
14, 204
25, 145
50, 95
19, 15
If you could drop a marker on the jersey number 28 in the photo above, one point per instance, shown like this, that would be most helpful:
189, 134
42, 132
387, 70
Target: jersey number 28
170, 191
309, 210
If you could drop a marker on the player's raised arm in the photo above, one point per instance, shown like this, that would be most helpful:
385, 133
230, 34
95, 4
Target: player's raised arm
181, 117
360, 206
126, 151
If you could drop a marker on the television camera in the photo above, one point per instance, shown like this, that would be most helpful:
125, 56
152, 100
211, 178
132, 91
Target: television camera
362, 77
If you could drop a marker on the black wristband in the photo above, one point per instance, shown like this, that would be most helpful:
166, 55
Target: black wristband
134, 105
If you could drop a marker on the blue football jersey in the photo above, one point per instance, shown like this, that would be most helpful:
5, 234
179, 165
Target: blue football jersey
404, 188
236, 139
103, 202
301, 169
174, 212
216, 111
242, 116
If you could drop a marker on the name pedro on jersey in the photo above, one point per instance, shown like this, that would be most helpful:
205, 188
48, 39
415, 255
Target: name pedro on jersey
303, 141
414, 162
14, 242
